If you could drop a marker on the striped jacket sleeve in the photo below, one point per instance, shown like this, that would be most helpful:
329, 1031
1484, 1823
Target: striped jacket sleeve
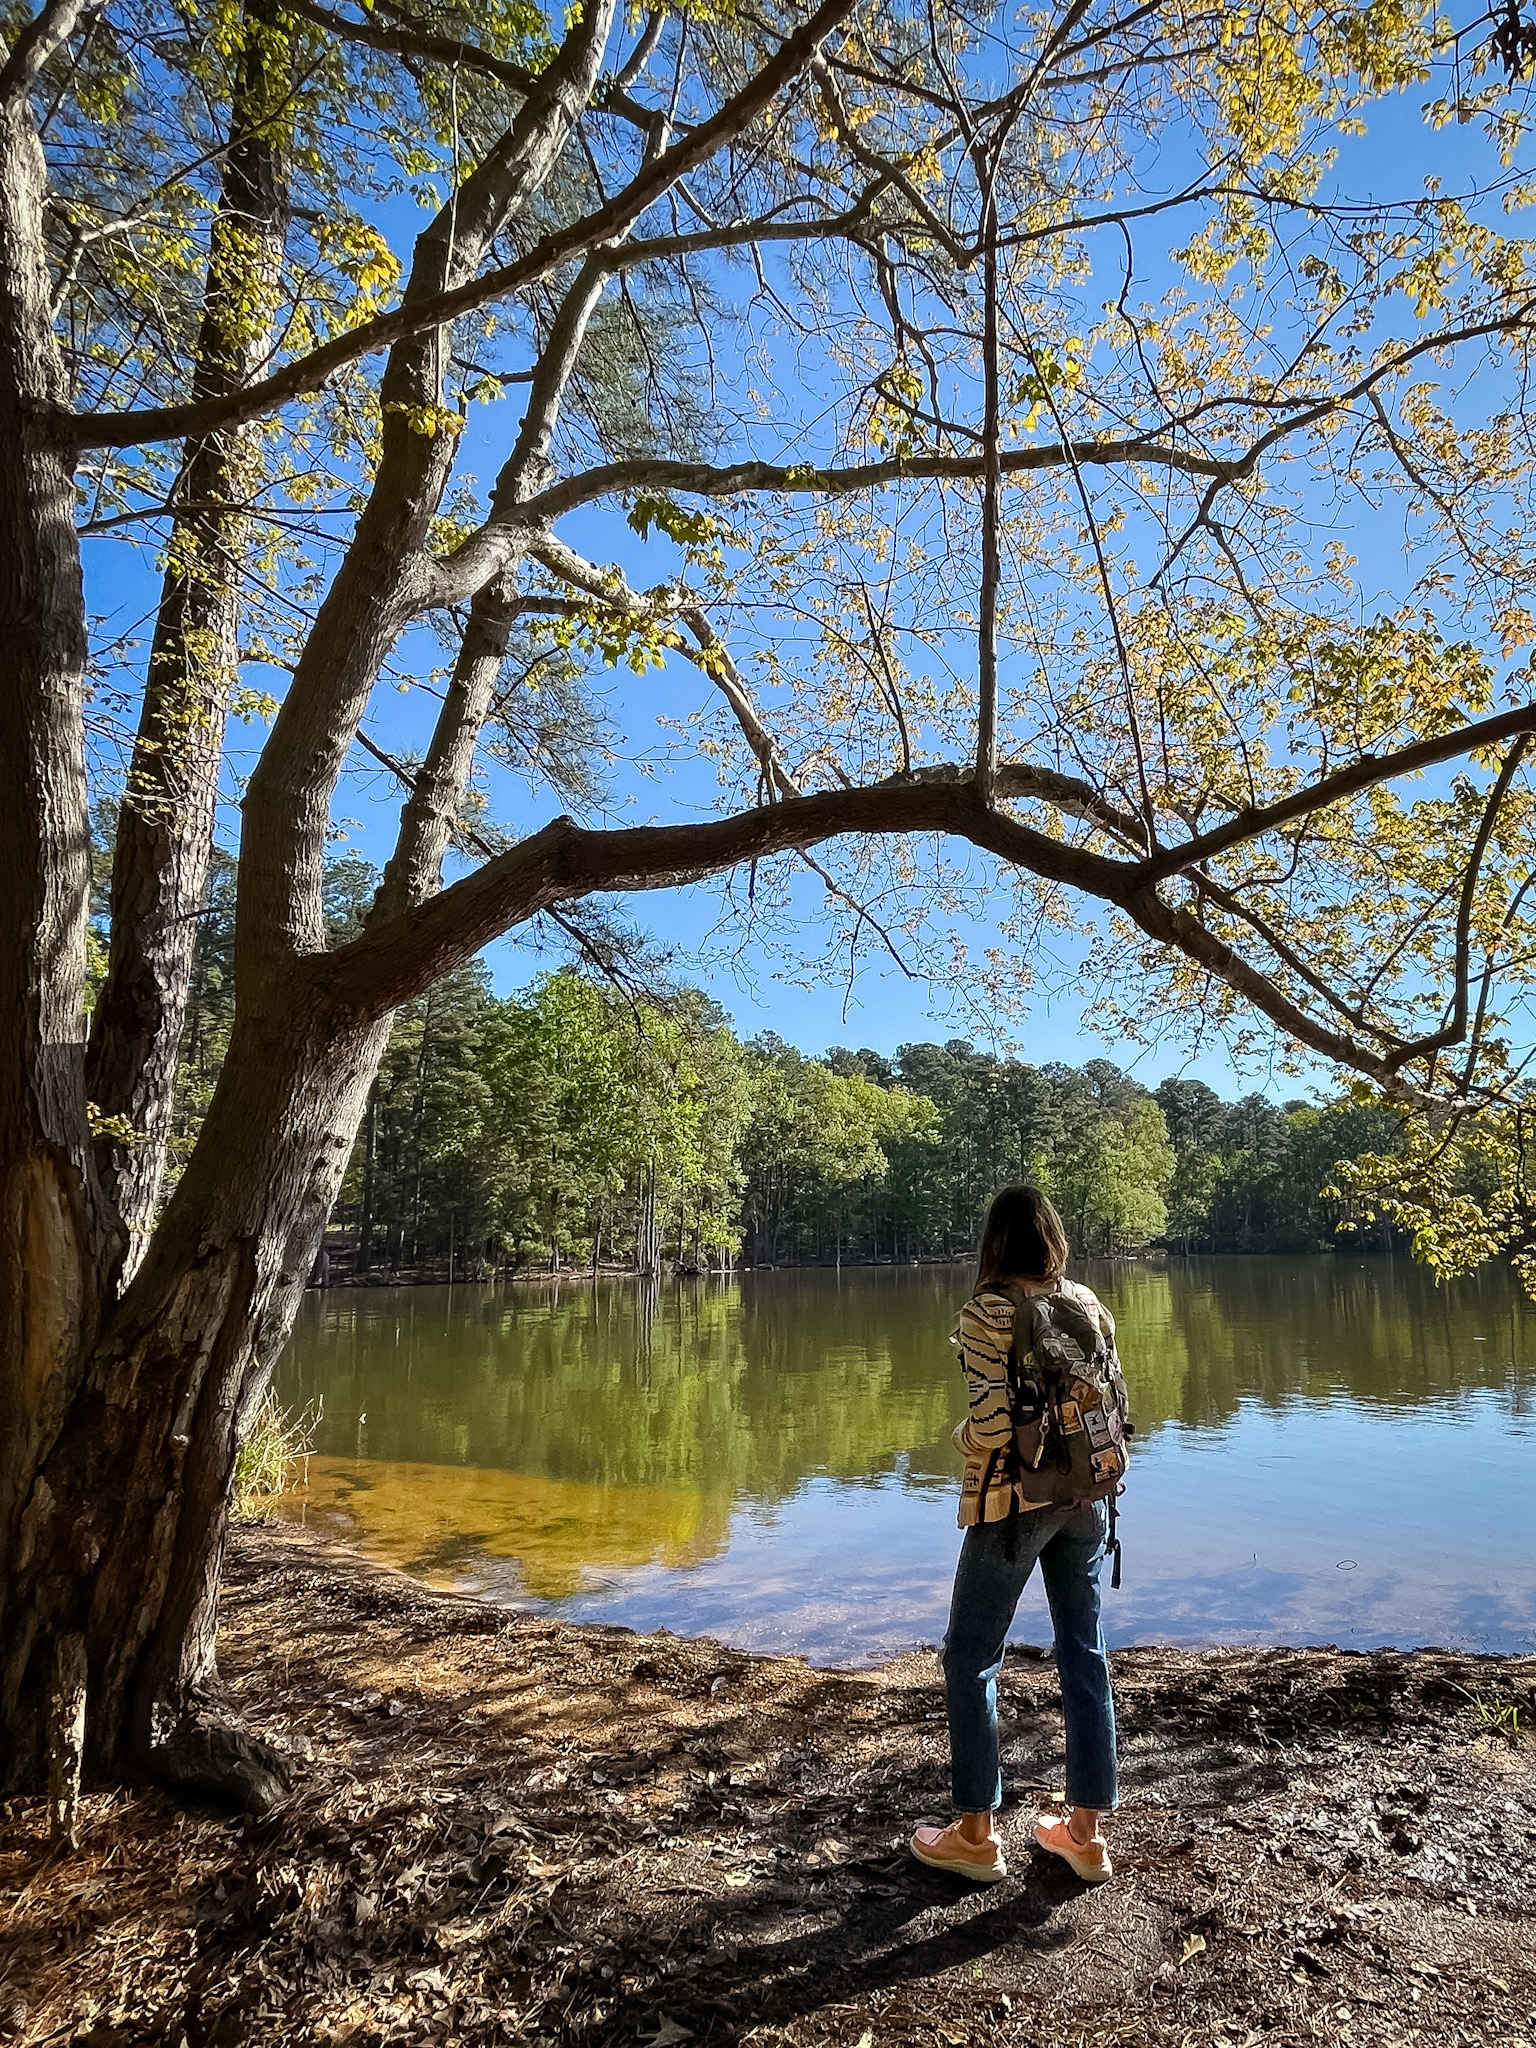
983, 1336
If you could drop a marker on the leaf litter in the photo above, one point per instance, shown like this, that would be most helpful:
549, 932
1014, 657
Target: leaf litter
511, 1830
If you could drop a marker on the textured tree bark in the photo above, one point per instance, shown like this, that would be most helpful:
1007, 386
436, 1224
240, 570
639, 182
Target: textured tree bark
165, 826
50, 1228
66, 1740
120, 1537
364, 1258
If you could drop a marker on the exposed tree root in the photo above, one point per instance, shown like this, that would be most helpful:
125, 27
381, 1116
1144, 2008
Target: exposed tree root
204, 1756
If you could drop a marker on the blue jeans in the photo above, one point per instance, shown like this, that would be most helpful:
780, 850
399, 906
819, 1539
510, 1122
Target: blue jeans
1069, 1544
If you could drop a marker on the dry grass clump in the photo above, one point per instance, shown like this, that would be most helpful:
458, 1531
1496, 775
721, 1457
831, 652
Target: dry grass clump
274, 1454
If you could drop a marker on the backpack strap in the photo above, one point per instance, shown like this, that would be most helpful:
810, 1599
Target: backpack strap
1112, 1547
988, 1472
1007, 1459
1013, 1466
1011, 1530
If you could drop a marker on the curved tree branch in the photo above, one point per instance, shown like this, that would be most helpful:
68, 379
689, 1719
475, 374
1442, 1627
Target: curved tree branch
1254, 820
385, 966
803, 478
403, 955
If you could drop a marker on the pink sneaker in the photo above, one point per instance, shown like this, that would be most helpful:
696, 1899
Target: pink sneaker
1089, 1859
947, 1849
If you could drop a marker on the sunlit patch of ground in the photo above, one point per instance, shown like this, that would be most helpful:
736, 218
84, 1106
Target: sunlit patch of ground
510, 1829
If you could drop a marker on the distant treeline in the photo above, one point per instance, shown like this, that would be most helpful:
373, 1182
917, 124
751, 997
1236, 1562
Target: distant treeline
573, 1125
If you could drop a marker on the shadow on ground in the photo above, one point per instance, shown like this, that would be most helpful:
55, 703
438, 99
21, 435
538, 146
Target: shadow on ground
510, 1830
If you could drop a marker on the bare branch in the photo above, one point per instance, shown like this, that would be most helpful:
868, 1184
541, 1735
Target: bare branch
1455, 1027
564, 861
428, 821
44, 35
634, 65
1181, 929
309, 373
1254, 820
1208, 887
991, 505
882, 166
799, 479
709, 654
863, 915
416, 42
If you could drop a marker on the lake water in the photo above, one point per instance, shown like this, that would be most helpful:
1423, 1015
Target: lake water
1327, 1451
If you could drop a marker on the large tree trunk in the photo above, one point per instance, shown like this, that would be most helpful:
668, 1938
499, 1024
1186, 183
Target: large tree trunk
50, 1228
121, 1422
117, 1423
165, 826
117, 1531
127, 1370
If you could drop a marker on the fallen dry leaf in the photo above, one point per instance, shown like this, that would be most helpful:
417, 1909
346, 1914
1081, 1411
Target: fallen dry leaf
827, 1853
667, 2032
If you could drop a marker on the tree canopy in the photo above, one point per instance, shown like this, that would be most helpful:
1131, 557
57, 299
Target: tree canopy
1067, 443
569, 1126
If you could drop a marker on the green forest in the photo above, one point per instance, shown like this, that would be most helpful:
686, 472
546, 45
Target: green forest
577, 1124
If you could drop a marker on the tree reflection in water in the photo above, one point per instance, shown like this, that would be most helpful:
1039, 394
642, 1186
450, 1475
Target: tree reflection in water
537, 1436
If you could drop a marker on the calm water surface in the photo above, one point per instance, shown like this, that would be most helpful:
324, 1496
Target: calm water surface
1329, 1451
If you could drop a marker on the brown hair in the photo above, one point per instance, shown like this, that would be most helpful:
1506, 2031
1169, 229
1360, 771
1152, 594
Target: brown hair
1023, 1237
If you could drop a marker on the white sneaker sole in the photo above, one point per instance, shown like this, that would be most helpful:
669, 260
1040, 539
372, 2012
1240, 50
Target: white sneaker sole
978, 1873
1096, 1871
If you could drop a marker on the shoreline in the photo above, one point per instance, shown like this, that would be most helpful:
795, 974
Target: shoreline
522, 1276
336, 1529
510, 1828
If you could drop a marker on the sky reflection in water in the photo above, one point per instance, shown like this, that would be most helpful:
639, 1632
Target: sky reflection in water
1329, 1451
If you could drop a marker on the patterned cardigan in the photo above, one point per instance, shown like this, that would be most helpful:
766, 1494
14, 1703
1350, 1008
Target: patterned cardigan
982, 1336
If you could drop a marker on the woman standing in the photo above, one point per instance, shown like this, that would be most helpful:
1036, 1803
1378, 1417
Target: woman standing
1023, 1253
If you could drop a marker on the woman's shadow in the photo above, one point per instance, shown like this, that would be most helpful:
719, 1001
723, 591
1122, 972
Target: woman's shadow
896, 1923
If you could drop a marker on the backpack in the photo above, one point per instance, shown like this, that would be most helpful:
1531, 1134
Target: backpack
1070, 1409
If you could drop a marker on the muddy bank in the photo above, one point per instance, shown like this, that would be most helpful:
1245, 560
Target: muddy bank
511, 1830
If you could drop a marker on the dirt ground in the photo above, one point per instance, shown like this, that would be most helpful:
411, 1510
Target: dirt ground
511, 1830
